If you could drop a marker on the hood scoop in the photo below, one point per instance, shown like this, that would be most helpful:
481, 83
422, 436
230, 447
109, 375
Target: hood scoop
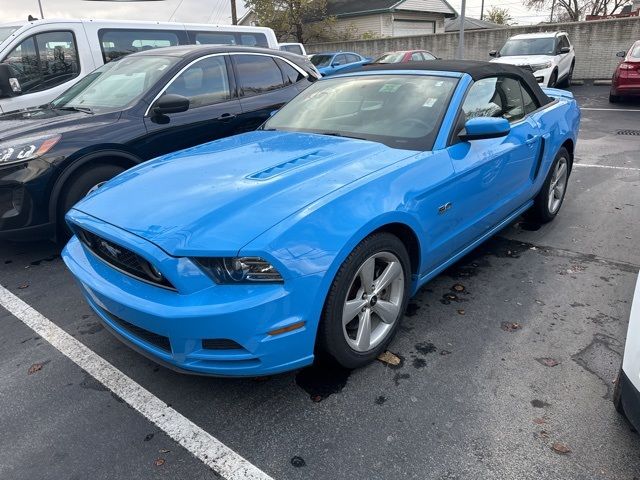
289, 165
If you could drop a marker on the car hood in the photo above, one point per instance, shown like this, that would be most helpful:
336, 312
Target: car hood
217, 197
522, 59
41, 121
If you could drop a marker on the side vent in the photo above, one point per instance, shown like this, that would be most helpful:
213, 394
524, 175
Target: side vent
281, 168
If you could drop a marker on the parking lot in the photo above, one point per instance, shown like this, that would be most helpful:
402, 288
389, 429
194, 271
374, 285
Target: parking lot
508, 363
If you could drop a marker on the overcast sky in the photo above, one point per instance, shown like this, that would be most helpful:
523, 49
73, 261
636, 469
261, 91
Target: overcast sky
213, 11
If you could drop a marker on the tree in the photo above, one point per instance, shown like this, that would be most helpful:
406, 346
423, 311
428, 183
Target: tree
574, 10
302, 20
499, 15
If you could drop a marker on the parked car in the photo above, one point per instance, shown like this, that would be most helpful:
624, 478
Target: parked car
626, 79
548, 55
247, 255
144, 105
626, 395
404, 56
297, 48
338, 62
46, 57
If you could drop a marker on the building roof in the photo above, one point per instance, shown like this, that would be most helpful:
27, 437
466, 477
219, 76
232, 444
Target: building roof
476, 69
453, 24
348, 8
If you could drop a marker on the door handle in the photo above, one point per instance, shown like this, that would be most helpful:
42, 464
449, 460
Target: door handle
225, 117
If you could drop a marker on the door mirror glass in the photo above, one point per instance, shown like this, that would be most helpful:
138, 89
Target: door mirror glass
493, 53
9, 84
171, 103
480, 128
621, 54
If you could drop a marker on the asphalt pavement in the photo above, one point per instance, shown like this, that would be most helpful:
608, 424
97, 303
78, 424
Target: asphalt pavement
508, 362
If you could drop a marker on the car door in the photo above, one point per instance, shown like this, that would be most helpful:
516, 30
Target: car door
262, 87
493, 176
213, 113
565, 58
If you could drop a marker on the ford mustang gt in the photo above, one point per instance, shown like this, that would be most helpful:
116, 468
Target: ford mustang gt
252, 254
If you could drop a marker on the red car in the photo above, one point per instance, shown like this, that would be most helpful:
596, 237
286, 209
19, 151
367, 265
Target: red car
405, 56
626, 79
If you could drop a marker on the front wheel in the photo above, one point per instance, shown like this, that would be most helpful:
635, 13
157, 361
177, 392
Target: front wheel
549, 200
366, 302
553, 79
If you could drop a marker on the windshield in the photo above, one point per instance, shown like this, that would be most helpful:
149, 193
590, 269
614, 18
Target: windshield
529, 46
402, 111
115, 84
321, 60
6, 31
395, 57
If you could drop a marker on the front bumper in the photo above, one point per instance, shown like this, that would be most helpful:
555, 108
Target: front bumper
172, 328
629, 400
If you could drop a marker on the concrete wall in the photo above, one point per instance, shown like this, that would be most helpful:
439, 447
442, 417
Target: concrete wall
596, 43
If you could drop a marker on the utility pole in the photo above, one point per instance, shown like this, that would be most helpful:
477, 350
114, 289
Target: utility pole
460, 52
553, 4
41, 11
234, 13
482, 11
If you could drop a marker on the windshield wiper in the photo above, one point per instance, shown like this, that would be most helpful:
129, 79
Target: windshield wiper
336, 134
75, 109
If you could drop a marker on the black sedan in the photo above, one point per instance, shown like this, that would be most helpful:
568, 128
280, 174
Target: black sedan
131, 110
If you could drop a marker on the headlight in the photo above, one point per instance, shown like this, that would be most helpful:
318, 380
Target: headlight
540, 66
26, 148
239, 270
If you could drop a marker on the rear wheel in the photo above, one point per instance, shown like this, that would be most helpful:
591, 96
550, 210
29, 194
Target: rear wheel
549, 200
566, 83
614, 98
78, 186
366, 302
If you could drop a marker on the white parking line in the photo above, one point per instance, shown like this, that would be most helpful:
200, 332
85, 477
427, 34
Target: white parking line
612, 167
201, 444
593, 109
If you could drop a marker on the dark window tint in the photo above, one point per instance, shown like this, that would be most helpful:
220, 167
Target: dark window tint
204, 83
495, 97
257, 74
530, 103
292, 49
340, 60
229, 38
351, 58
291, 75
428, 56
564, 41
44, 61
116, 43
416, 57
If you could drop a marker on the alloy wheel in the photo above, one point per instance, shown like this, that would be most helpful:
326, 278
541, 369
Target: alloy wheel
558, 185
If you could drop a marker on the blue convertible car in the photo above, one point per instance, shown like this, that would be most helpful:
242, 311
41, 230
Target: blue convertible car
250, 255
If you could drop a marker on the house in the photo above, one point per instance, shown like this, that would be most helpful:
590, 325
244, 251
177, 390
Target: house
453, 24
390, 18
249, 19
383, 18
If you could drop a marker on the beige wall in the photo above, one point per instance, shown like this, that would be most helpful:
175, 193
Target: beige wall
596, 43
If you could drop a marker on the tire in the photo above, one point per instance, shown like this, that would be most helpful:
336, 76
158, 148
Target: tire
553, 79
617, 395
614, 98
566, 83
77, 187
379, 256
544, 209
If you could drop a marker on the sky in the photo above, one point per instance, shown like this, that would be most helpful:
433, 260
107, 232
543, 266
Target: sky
207, 11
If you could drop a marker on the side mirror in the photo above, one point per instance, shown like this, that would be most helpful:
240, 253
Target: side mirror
170, 103
9, 85
480, 128
565, 50
621, 54
493, 53
336, 64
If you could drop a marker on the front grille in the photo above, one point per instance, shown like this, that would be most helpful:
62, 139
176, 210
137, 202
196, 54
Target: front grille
159, 341
220, 344
122, 259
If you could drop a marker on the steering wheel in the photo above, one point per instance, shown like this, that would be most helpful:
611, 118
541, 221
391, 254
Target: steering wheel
414, 121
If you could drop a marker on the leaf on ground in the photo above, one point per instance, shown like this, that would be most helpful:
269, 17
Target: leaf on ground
458, 287
389, 358
445, 352
539, 421
510, 326
560, 448
164, 450
23, 286
461, 311
548, 362
159, 462
36, 367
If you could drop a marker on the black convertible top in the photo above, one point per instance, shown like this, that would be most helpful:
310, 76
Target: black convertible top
475, 69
